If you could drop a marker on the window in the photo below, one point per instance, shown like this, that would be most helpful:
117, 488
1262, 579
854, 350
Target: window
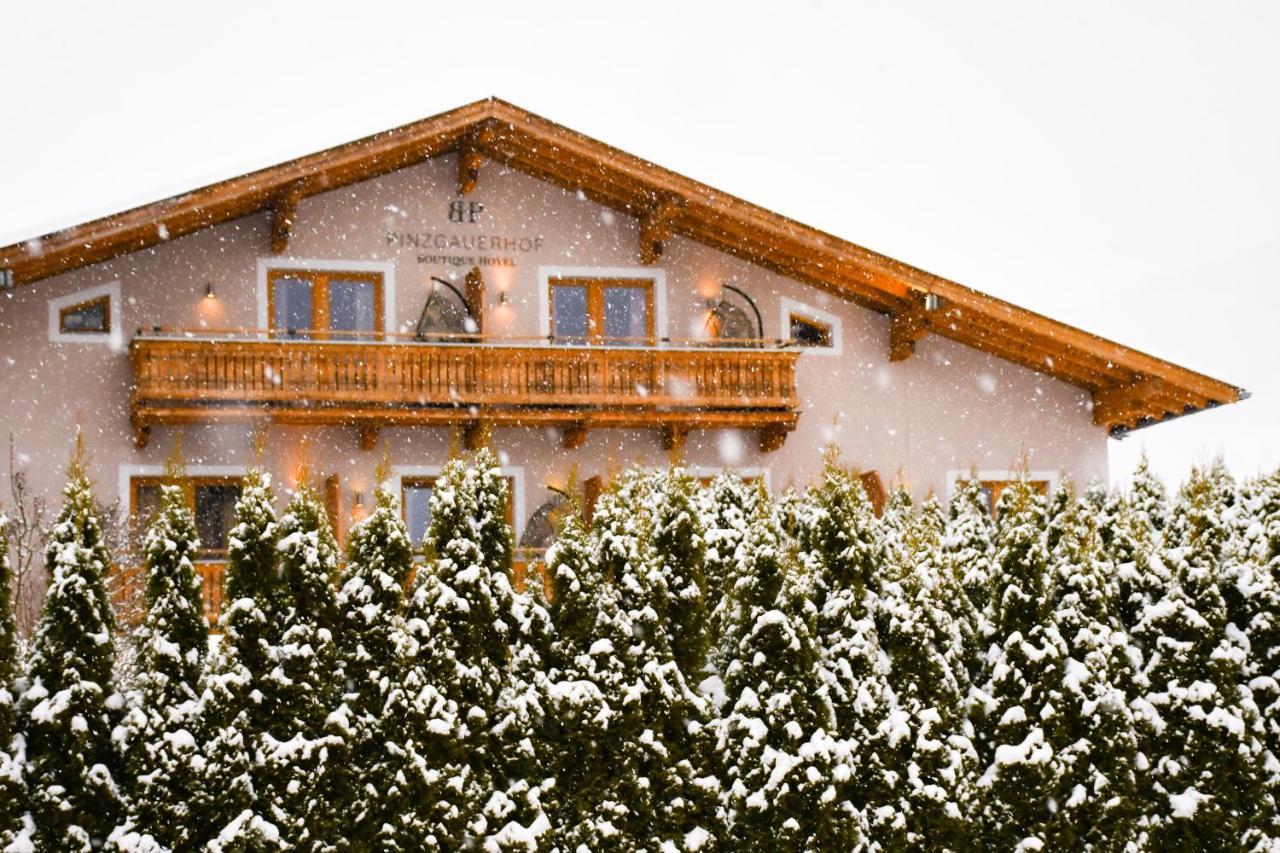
311, 303
90, 317
817, 331
415, 505
211, 499
994, 483
808, 332
618, 311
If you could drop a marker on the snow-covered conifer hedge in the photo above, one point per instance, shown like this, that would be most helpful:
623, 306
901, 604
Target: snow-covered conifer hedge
715, 669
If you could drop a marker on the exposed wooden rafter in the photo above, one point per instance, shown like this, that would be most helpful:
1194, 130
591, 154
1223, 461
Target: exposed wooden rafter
284, 213
574, 435
906, 327
674, 437
471, 157
656, 227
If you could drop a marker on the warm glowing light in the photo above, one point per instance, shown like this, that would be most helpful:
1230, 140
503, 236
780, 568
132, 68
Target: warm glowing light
709, 288
208, 291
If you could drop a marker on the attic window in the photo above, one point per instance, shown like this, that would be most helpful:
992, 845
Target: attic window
92, 317
87, 316
808, 332
811, 328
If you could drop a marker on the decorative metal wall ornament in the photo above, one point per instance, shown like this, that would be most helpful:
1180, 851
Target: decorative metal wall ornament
730, 318
446, 314
540, 529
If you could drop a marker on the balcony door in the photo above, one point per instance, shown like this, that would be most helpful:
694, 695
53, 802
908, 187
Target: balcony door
307, 304
609, 311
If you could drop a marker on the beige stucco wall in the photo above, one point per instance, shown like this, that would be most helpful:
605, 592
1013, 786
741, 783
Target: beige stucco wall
946, 408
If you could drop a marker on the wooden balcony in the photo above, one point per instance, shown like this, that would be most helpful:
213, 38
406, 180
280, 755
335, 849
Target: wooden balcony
197, 377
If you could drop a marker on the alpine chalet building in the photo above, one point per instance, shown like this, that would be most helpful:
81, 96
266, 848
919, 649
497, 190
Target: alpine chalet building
487, 274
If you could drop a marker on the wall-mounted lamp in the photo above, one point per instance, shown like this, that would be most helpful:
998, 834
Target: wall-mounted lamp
357, 499
208, 291
503, 299
932, 302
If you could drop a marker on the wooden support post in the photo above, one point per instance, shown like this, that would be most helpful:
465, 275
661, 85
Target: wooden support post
475, 434
574, 436
283, 215
656, 228
475, 295
674, 437
905, 329
772, 437
368, 436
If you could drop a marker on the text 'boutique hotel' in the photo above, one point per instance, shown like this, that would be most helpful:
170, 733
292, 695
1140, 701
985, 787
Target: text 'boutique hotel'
487, 272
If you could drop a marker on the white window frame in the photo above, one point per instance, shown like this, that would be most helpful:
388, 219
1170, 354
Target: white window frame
958, 475
516, 472
113, 338
386, 268
788, 306
653, 274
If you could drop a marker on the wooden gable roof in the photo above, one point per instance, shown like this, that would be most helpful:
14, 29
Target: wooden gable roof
1130, 389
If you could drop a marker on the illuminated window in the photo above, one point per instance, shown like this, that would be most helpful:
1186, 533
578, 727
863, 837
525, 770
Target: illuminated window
617, 311
211, 499
312, 303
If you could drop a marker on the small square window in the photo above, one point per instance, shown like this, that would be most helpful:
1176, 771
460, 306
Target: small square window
92, 317
808, 332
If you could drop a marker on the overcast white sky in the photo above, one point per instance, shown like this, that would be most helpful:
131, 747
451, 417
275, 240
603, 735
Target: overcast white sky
1114, 165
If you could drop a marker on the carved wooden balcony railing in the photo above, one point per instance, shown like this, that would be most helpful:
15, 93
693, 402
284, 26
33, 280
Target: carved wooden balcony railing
191, 377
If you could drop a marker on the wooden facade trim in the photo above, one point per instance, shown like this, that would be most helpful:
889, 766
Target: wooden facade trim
372, 385
666, 204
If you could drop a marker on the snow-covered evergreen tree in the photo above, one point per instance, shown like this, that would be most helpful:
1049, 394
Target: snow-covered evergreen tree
241, 695
477, 650
842, 548
969, 540
1096, 783
1199, 728
672, 793
785, 773
679, 546
1141, 576
13, 792
593, 716
727, 507
1263, 626
1020, 700
1148, 495
923, 635
70, 707
296, 743
362, 771
162, 756
896, 520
